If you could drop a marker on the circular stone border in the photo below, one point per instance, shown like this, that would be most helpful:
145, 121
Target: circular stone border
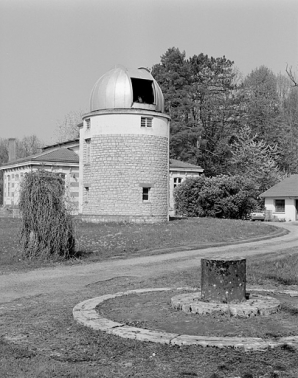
85, 314
254, 306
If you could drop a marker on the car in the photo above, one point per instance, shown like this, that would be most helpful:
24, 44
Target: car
257, 215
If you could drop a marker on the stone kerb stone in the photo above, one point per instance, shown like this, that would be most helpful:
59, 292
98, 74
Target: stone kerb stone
256, 305
85, 313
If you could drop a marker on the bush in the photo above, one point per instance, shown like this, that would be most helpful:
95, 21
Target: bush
220, 196
47, 227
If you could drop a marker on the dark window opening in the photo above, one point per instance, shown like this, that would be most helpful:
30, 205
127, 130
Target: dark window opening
88, 150
280, 206
142, 91
86, 194
177, 181
146, 194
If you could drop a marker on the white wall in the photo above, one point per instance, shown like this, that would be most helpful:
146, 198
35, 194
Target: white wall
128, 124
290, 209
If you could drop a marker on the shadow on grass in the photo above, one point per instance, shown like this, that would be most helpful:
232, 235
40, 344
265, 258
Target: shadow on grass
83, 254
289, 309
287, 281
171, 219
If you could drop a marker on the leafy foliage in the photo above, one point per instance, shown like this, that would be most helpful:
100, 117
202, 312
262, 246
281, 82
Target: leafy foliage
255, 159
221, 196
262, 103
47, 227
199, 99
209, 103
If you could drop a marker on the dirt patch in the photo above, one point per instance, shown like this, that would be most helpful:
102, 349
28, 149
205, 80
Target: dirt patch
154, 311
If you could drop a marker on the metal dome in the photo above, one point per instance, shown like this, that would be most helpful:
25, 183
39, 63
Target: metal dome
122, 88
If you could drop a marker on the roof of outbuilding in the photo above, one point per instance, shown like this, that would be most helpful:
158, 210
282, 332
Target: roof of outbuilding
61, 155
181, 164
64, 144
286, 188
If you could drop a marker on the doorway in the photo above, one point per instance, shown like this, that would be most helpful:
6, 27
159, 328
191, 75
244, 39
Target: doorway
296, 204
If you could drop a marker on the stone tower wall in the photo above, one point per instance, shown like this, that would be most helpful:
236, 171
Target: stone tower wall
122, 162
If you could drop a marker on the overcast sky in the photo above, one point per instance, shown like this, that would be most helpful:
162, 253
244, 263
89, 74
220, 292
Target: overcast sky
53, 52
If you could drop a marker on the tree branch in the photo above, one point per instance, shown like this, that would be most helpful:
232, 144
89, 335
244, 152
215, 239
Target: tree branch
292, 76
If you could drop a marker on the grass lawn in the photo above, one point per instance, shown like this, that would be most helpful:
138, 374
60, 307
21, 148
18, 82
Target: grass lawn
39, 337
97, 242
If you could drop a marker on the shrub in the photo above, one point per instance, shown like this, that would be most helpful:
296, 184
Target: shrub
47, 227
220, 196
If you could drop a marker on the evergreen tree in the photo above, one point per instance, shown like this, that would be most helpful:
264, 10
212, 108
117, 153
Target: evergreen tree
199, 97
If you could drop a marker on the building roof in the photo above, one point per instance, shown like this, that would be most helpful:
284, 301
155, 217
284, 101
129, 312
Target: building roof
60, 155
118, 88
177, 164
67, 143
286, 188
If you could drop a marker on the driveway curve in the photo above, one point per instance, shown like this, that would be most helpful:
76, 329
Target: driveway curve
72, 278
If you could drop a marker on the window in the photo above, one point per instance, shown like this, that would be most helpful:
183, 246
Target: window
145, 194
146, 122
8, 189
88, 123
177, 181
88, 150
86, 194
279, 205
142, 91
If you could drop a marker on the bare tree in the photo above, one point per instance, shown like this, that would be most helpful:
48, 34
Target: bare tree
27, 146
3, 151
292, 76
283, 86
67, 129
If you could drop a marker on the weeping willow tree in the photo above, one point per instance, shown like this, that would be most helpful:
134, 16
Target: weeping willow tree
47, 227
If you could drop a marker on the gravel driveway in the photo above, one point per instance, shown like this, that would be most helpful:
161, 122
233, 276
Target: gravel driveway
72, 278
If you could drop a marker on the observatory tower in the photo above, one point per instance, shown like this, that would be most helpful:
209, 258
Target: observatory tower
124, 150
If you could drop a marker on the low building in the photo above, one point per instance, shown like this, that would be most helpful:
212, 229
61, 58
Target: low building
63, 159
282, 199
179, 171
60, 158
